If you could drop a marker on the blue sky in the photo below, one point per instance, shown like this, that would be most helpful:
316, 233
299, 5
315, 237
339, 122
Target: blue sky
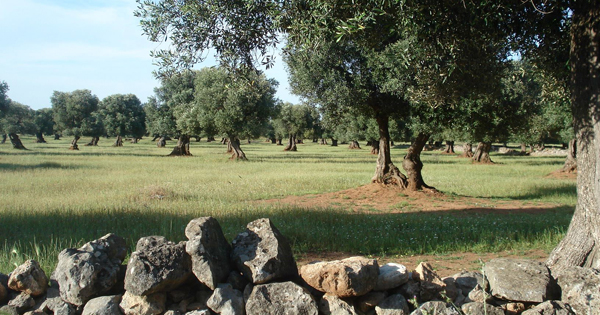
81, 44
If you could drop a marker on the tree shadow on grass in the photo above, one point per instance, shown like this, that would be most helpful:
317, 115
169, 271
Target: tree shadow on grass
45, 165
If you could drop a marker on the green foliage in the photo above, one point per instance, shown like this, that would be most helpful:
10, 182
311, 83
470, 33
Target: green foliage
43, 121
73, 110
295, 119
122, 115
17, 118
4, 100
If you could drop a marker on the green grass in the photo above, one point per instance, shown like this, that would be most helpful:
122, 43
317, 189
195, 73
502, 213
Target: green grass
52, 198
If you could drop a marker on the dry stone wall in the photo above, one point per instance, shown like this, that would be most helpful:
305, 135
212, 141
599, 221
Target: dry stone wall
257, 274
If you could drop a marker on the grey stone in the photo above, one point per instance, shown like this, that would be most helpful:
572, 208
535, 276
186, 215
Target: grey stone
434, 308
391, 276
104, 305
411, 289
199, 312
280, 298
209, 250
348, 277
467, 280
22, 302
551, 308
478, 294
29, 278
153, 304
237, 280
8, 310
157, 265
35, 312
172, 312
393, 305
476, 308
55, 305
519, 280
91, 270
430, 284
580, 288
226, 300
367, 302
333, 305
263, 254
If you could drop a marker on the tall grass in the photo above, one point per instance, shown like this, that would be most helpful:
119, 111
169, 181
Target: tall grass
52, 198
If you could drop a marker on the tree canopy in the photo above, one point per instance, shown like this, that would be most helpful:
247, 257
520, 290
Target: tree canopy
72, 112
122, 115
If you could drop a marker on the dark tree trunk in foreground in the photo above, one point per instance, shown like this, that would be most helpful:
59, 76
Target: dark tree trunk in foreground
581, 245
354, 145
412, 163
449, 149
386, 172
74, 145
334, 142
16, 141
571, 161
238, 154
482, 153
56, 136
162, 142
39, 138
183, 147
118, 142
3, 139
291, 146
93, 142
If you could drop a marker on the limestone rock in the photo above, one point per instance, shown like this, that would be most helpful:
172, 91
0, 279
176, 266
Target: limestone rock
153, 304
280, 298
511, 308
104, 305
157, 265
91, 270
467, 280
580, 288
391, 276
209, 250
476, 308
434, 307
551, 308
367, 302
333, 305
519, 280
8, 310
348, 277
263, 254
478, 294
29, 278
199, 312
226, 300
430, 283
35, 312
394, 305
22, 302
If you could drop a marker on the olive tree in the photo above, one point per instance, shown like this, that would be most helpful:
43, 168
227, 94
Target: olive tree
72, 111
122, 114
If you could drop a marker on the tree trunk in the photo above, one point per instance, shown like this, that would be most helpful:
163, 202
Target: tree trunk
39, 138
3, 139
118, 142
374, 147
93, 142
524, 149
467, 150
156, 137
581, 245
323, 141
74, 145
229, 147
183, 147
291, 146
412, 163
162, 142
279, 141
197, 138
210, 139
238, 154
273, 141
571, 161
386, 172
134, 140
56, 136
354, 145
334, 142
16, 141
482, 153
449, 149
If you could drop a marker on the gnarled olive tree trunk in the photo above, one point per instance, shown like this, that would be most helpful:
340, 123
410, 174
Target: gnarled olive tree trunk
449, 149
56, 136
581, 245
467, 150
183, 147
412, 163
323, 141
93, 142
16, 141
118, 142
354, 145
291, 146
279, 141
571, 161
39, 138
238, 154
386, 172
161, 142
334, 142
74, 145
482, 153
3, 141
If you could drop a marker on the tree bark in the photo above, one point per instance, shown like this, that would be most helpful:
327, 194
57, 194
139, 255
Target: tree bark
334, 142
16, 141
482, 153
279, 141
449, 149
118, 142
93, 142
3, 139
39, 138
134, 140
197, 138
323, 141
581, 245
467, 150
183, 147
74, 145
273, 141
229, 147
374, 147
210, 139
571, 161
291, 146
56, 136
354, 145
238, 154
161, 142
155, 138
412, 163
386, 172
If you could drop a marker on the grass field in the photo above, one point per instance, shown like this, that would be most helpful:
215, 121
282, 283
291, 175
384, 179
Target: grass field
52, 198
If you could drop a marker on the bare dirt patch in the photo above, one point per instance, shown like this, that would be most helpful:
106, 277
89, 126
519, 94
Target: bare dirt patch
375, 198
562, 175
